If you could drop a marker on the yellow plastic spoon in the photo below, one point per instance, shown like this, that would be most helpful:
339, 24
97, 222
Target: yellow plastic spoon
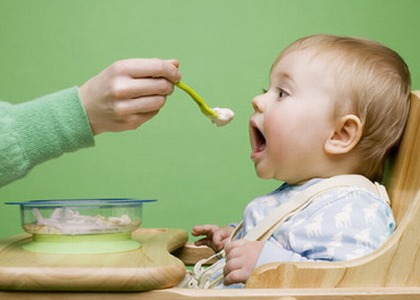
207, 111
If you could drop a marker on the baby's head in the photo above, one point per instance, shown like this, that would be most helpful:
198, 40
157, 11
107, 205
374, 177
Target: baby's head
335, 105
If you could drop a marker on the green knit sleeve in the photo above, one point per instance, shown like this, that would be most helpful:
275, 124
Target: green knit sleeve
39, 130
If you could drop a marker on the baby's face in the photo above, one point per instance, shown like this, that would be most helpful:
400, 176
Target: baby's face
293, 119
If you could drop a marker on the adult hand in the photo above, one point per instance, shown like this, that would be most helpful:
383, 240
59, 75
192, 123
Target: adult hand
128, 93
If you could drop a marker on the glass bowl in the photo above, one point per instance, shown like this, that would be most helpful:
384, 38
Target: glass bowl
77, 225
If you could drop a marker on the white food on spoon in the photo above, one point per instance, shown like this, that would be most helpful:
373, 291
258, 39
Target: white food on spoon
224, 116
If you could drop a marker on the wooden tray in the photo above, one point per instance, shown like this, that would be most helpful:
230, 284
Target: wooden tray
147, 268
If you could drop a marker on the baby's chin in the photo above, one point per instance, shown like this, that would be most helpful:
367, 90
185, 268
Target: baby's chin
261, 173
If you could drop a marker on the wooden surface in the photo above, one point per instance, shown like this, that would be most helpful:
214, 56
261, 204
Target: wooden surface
150, 267
191, 254
404, 181
251, 294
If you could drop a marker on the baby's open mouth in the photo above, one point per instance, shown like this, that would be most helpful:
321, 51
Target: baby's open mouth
258, 140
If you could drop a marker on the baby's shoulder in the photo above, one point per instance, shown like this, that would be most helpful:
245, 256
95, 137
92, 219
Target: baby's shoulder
348, 199
275, 198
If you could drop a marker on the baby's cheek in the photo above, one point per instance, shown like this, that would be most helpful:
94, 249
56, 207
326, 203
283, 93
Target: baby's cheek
281, 143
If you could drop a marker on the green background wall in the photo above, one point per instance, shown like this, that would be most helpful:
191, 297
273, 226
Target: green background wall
199, 173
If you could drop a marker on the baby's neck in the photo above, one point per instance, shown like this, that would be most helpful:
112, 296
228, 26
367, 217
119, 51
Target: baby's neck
325, 172
327, 166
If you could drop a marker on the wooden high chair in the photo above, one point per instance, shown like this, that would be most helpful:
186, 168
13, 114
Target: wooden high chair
390, 272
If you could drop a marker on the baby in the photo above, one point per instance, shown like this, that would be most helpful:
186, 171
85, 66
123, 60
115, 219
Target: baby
335, 106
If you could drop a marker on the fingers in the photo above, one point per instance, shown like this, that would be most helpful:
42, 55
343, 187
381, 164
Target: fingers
204, 230
203, 242
207, 230
140, 68
139, 106
241, 258
220, 237
128, 93
123, 88
216, 235
232, 247
236, 276
232, 265
235, 270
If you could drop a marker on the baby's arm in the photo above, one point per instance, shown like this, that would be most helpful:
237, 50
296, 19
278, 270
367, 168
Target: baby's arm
216, 236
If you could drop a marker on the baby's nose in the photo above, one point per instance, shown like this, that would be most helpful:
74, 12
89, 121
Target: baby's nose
257, 104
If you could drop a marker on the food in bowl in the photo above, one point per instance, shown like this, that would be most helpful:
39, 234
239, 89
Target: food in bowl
82, 216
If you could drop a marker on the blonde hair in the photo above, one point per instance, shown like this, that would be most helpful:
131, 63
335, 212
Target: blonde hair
371, 82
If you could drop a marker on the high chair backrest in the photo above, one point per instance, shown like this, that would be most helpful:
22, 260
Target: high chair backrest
404, 179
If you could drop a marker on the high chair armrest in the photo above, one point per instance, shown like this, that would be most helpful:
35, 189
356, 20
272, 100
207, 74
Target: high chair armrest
191, 254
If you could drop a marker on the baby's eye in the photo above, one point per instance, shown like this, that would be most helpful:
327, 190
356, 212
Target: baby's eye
282, 93
264, 91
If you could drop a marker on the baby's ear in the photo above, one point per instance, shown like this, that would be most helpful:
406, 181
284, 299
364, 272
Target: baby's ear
346, 136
